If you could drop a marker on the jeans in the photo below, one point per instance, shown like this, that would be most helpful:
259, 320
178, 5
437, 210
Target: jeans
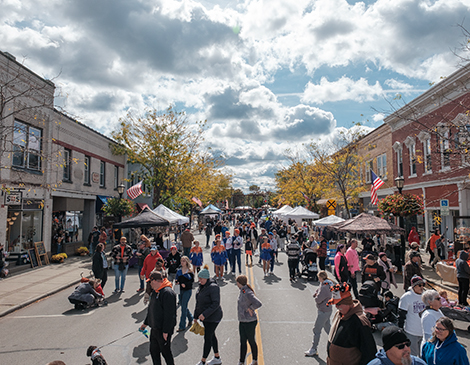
120, 274
210, 341
322, 321
229, 259
139, 269
208, 238
273, 257
186, 251
463, 291
247, 333
158, 346
236, 258
185, 312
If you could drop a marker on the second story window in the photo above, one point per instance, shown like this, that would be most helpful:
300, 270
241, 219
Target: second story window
427, 155
412, 150
67, 156
382, 166
369, 166
116, 176
26, 146
102, 174
445, 150
86, 176
400, 162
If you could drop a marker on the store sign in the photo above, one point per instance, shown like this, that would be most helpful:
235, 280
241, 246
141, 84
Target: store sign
444, 207
13, 198
95, 177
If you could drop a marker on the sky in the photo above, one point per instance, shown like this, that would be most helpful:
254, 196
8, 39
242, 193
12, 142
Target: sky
267, 76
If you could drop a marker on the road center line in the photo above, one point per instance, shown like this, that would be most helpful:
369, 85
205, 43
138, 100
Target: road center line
54, 315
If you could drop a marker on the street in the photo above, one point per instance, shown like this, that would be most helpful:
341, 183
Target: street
52, 329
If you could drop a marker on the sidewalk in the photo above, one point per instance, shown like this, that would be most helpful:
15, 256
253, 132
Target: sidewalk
20, 290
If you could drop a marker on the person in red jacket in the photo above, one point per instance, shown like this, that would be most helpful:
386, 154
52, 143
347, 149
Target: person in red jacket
413, 236
149, 262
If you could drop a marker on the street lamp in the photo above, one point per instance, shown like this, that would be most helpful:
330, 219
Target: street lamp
399, 183
120, 189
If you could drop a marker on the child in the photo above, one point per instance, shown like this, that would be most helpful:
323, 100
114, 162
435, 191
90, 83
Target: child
219, 257
444, 301
99, 290
249, 250
266, 255
388, 315
196, 257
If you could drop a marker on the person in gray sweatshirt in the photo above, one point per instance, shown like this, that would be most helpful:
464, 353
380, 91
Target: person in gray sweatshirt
247, 304
463, 277
322, 296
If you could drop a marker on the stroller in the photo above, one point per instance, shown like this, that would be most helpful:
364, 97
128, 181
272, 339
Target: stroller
369, 298
309, 264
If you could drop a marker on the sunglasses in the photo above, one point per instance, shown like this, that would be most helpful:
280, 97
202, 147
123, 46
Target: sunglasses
420, 285
439, 329
402, 345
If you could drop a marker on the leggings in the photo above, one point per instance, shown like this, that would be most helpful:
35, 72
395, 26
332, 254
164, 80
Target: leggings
210, 341
247, 333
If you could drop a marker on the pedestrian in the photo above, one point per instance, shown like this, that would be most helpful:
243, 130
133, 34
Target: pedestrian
431, 314
322, 296
187, 239
409, 308
121, 254
209, 312
389, 270
350, 340
414, 247
103, 236
273, 243
248, 251
161, 318
396, 349
352, 258
248, 303
150, 262
237, 244
443, 348
463, 277
341, 264
196, 256
266, 255
413, 236
293, 255
142, 252
208, 232
282, 231
85, 295
435, 244
411, 268
372, 271
99, 265
322, 252
389, 314
160, 267
93, 239
185, 279
173, 262
219, 257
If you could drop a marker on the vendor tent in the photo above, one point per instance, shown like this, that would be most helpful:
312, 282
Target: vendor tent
146, 218
300, 213
211, 209
368, 224
170, 215
285, 209
327, 221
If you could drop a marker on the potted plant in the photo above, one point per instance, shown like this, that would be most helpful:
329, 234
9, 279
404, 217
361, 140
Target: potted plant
82, 251
59, 258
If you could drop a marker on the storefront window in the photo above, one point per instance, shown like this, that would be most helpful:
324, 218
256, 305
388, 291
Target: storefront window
23, 229
70, 223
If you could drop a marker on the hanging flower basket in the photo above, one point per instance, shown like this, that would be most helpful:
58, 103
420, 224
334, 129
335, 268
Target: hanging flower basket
401, 205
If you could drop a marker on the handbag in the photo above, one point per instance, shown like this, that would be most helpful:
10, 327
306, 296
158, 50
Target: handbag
177, 289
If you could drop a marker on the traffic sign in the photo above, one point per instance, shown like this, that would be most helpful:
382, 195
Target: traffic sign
444, 207
331, 204
331, 212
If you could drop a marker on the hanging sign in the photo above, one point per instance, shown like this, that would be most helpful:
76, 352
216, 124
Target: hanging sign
13, 198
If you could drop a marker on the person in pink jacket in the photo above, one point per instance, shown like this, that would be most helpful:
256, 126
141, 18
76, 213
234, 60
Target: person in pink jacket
341, 264
353, 266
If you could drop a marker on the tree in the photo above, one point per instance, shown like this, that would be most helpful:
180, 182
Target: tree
119, 207
167, 146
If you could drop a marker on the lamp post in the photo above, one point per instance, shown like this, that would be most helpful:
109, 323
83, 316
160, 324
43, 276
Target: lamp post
120, 189
399, 183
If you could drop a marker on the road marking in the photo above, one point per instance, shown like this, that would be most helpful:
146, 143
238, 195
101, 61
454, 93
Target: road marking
53, 315
259, 342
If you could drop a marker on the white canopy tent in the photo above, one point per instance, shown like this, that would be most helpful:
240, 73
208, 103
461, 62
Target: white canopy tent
280, 213
300, 213
171, 216
331, 219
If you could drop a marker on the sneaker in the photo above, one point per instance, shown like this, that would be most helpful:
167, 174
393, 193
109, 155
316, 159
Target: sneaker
201, 363
122, 291
254, 362
116, 291
312, 352
139, 290
214, 361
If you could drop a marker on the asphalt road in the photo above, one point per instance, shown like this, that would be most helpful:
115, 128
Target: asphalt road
52, 329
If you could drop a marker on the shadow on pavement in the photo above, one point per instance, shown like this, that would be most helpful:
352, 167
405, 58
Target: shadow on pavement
179, 344
132, 300
139, 316
141, 353
271, 279
298, 285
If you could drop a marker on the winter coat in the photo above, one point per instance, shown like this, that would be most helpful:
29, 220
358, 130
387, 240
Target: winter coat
187, 239
149, 264
382, 359
410, 269
186, 279
463, 270
247, 300
173, 262
370, 272
97, 264
322, 249
450, 352
389, 276
208, 302
116, 254
350, 341
390, 313
84, 293
161, 312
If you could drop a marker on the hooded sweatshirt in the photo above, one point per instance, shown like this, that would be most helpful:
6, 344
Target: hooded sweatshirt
323, 295
463, 270
350, 341
382, 359
449, 352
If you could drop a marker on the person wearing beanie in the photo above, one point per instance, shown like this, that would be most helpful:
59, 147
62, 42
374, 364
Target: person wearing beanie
209, 312
411, 268
409, 308
350, 339
396, 349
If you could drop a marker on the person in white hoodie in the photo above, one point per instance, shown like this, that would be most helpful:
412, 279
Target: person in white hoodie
322, 296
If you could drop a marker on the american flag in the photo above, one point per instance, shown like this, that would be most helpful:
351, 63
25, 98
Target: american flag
197, 201
305, 196
134, 191
375, 185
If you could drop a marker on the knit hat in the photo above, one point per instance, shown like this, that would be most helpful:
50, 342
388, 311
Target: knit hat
382, 254
340, 295
174, 247
416, 280
204, 274
392, 336
370, 257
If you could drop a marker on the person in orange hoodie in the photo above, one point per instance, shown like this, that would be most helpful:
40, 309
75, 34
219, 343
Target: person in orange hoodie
149, 263
161, 317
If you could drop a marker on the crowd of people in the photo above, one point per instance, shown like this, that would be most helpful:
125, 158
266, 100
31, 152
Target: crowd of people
414, 330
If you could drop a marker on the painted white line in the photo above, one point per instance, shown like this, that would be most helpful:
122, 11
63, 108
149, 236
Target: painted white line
53, 315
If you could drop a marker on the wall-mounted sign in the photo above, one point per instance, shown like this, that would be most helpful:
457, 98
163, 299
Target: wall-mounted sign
444, 207
13, 198
95, 177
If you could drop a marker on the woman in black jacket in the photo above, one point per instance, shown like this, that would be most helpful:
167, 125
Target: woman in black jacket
100, 264
209, 311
